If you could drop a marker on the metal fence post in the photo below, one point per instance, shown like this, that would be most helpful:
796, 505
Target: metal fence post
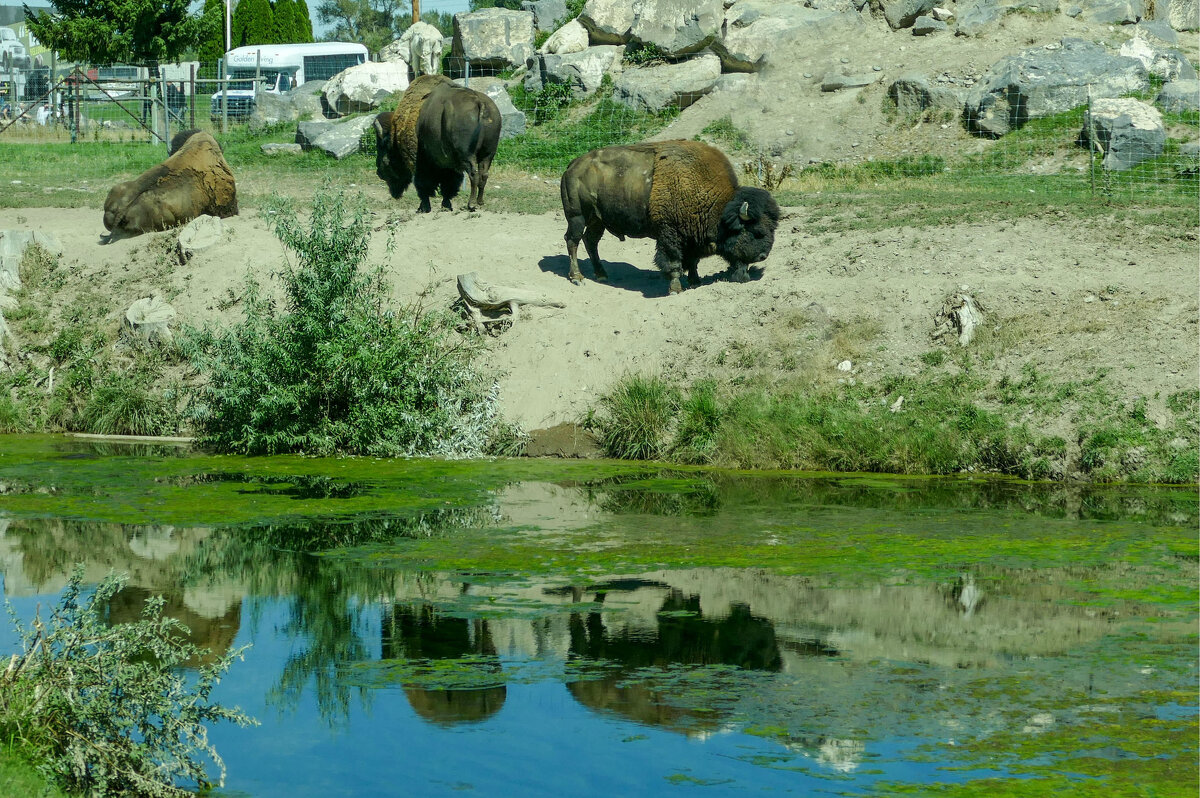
162, 79
224, 98
191, 98
467, 73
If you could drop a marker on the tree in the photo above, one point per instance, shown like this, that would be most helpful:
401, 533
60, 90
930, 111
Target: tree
307, 32
512, 5
117, 31
285, 23
252, 23
375, 23
212, 37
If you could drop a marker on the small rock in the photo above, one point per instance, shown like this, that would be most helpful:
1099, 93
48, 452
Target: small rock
845, 365
896, 405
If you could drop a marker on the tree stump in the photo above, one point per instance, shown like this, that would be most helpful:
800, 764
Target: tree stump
961, 315
148, 318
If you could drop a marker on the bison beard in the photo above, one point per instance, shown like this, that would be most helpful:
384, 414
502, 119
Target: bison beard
683, 194
438, 133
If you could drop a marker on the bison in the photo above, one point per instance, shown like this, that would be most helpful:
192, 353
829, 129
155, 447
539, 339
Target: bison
437, 132
194, 180
683, 194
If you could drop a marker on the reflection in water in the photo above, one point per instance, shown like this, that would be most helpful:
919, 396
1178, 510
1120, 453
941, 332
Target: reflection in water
214, 634
418, 632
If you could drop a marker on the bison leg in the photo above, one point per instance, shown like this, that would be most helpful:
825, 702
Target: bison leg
591, 240
575, 229
690, 263
425, 184
669, 260
484, 167
449, 183
473, 177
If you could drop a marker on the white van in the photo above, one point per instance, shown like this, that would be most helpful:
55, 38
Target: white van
282, 67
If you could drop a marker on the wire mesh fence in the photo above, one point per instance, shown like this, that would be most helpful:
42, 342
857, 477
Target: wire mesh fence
1139, 145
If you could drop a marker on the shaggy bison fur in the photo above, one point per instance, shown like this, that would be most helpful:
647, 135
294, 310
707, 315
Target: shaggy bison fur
683, 194
438, 132
193, 181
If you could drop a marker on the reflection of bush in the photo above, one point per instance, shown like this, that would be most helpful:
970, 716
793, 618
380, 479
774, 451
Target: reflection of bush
666, 493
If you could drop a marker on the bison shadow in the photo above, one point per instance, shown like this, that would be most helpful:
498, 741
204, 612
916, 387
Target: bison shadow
650, 283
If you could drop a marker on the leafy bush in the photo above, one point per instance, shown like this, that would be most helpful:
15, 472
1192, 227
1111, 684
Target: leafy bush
107, 710
637, 418
337, 370
643, 54
125, 405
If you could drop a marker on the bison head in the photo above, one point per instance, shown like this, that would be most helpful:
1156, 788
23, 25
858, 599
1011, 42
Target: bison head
388, 164
746, 231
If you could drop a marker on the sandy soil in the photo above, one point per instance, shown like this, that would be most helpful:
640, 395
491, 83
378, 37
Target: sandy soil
1078, 298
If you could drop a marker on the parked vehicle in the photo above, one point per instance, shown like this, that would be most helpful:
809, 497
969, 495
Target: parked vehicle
13, 54
280, 68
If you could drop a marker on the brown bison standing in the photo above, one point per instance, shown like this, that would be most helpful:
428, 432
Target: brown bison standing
437, 132
683, 194
193, 181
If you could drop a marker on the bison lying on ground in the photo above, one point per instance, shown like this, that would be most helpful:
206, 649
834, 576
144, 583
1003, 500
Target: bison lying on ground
683, 194
437, 132
193, 181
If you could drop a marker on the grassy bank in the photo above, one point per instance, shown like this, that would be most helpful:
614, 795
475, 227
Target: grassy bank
19, 777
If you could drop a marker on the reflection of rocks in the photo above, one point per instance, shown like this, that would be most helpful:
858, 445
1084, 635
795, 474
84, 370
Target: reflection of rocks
419, 632
215, 633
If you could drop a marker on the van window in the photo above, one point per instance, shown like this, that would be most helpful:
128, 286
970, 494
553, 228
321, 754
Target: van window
323, 67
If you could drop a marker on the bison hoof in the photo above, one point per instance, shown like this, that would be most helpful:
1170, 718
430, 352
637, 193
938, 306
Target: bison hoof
600, 277
577, 279
740, 276
676, 287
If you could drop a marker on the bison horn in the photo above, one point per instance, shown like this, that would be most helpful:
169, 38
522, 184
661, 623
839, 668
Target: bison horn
744, 211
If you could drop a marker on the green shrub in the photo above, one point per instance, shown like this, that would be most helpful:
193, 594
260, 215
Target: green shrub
336, 370
643, 53
125, 405
725, 132
637, 418
107, 710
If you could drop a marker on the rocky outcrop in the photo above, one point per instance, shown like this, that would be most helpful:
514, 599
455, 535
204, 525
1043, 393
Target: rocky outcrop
1180, 96
420, 47
914, 96
363, 87
1160, 61
902, 13
337, 139
1112, 12
493, 38
1126, 130
676, 27
546, 13
976, 16
752, 29
582, 71
657, 88
1048, 80
1184, 14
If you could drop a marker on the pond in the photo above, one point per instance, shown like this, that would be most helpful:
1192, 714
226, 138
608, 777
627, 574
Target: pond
518, 627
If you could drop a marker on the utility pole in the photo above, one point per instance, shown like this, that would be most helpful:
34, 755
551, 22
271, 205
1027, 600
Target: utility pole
416, 11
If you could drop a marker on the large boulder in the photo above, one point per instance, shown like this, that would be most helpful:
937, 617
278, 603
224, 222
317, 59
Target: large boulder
362, 88
546, 13
914, 96
656, 88
583, 71
976, 16
752, 29
1048, 80
902, 13
493, 38
1112, 12
512, 120
336, 139
1180, 96
309, 99
570, 38
1184, 14
420, 47
1162, 62
677, 27
272, 109
1128, 131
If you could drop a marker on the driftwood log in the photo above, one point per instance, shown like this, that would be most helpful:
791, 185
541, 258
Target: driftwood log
481, 297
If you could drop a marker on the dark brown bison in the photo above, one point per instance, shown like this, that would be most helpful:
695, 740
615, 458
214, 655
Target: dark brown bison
193, 181
438, 132
683, 194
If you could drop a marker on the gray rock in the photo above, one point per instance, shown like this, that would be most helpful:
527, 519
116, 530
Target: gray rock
752, 29
272, 109
656, 88
902, 13
363, 87
307, 133
309, 100
1129, 131
546, 13
1073, 11
835, 81
420, 47
1159, 60
1156, 31
493, 38
1183, 14
337, 139
582, 71
924, 26
607, 21
512, 120
1113, 12
1036, 6
12, 250
275, 148
914, 96
570, 38
677, 27
1180, 96
977, 16
1039, 82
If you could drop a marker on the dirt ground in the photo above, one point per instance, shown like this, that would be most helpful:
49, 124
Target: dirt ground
1076, 297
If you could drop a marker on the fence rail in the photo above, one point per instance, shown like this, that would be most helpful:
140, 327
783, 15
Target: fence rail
1065, 151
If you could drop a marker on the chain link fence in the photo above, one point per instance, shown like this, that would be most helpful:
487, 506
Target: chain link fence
1139, 145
